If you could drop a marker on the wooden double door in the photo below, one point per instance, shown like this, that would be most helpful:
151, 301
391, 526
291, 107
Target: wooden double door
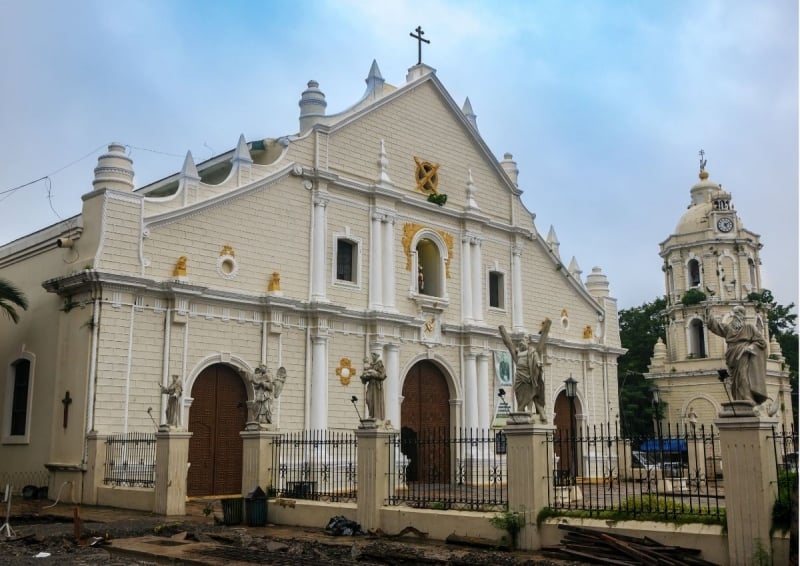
217, 415
425, 424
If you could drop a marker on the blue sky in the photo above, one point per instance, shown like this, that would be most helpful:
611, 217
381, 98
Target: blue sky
604, 104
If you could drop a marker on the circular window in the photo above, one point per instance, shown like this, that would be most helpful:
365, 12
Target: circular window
227, 266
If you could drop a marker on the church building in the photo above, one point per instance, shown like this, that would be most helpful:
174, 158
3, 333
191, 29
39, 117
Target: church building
711, 264
387, 228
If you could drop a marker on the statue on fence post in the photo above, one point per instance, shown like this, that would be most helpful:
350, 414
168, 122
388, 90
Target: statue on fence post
174, 391
745, 356
373, 376
265, 390
528, 372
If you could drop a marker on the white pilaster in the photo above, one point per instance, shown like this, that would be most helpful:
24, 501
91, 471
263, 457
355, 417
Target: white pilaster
392, 384
466, 280
484, 415
387, 264
318, 250
319, 382
470, 391
516, 289
375, 279
477, 280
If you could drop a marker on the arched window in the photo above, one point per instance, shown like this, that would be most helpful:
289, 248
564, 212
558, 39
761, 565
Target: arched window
697, 342
694, 273
429, 269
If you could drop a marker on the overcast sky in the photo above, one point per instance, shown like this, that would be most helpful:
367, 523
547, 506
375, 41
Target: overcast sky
604, 104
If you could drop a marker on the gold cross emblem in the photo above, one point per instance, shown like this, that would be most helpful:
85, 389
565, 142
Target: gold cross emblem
427, 176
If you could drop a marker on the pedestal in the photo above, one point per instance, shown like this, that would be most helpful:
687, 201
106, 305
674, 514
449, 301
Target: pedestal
750, 473
528, 475
373, 472
172, 466
258, 458
95, 467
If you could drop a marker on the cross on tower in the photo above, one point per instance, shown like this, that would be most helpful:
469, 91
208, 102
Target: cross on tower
67, 401
702, 161
419, 39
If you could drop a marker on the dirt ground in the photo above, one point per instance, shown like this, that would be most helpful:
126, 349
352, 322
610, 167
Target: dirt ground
50, 534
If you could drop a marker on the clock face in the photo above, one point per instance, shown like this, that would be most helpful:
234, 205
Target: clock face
725, 224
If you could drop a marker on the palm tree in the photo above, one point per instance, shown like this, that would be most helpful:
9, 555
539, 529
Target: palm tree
10, 297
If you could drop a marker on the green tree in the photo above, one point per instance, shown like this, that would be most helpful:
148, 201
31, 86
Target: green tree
10, 298
781, 320
639, 328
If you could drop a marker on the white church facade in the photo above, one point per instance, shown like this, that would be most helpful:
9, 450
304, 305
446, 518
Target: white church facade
387, 228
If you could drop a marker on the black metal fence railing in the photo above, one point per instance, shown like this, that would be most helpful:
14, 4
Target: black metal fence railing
676, 472
437, 469
316, 464
784, 443
130, 460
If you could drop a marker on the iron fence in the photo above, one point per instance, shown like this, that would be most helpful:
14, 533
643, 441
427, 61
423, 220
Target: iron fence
437, 469
316, 464
673, 473
784, 443
130, 460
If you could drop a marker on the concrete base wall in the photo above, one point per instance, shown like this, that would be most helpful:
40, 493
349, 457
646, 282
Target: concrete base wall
438, 524
139, 498
305, 513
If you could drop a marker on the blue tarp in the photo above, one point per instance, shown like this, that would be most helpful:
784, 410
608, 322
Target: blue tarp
665, 445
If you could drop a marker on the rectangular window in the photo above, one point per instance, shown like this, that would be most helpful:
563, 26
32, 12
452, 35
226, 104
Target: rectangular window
345, 260
19, 402
496, 298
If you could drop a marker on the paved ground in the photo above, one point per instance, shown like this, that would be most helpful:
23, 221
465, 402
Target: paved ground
129, 537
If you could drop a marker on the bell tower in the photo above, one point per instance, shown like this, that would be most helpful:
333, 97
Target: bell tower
711, 263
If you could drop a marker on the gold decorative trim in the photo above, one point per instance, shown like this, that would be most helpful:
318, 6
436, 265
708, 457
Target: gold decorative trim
345, 371
180, 267
227, 250
410, 230
427, 176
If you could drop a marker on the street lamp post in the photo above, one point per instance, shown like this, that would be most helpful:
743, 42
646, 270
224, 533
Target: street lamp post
571, 388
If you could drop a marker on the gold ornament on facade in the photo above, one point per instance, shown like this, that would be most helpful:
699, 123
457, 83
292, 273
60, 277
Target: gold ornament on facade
410, 230
180, 267
227, 250
427, 176
345, 371
274, 282
588, 332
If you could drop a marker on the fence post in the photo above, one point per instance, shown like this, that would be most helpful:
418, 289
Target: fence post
95, 467
373, 472
172, 459
529, 470
257, 459
750, 479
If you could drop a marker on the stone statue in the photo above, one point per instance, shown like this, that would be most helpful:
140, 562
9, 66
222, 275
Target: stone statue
265, 390
528, 374
174, 392
745, 356
373, 376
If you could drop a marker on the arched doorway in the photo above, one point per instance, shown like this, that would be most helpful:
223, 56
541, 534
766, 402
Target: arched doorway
425, 424
217, 416
566, 448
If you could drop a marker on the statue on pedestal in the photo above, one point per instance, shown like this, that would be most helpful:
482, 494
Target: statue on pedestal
266, 389
373, 376
174, 391
528, 373
745, 356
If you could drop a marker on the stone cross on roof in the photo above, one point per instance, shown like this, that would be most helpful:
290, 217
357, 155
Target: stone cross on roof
419, 39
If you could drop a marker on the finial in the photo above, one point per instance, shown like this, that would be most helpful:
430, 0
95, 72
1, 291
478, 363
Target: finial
703, 172
383, 166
